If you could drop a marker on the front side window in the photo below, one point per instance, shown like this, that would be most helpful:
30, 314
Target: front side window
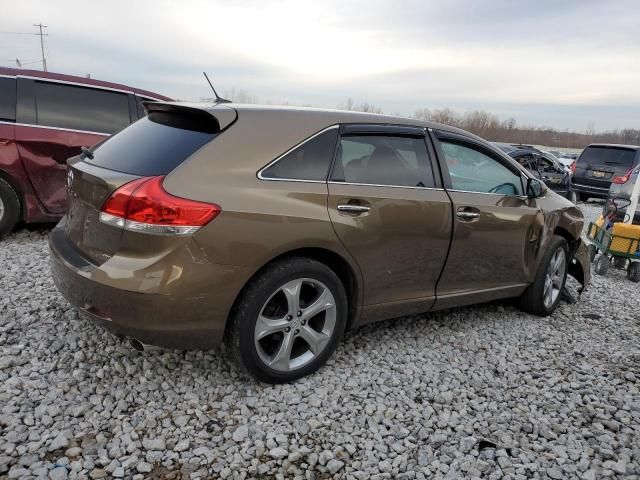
308, 161
383, 160
7, 99
81, 108
471, 170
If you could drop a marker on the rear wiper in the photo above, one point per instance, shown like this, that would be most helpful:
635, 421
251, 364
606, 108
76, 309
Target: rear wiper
87, 153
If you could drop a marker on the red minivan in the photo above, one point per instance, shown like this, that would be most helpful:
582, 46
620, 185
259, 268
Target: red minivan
46, 118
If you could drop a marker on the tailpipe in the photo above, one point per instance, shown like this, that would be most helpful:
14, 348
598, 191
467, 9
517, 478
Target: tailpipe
137, 345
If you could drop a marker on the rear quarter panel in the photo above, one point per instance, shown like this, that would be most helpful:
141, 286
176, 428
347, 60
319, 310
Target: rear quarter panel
260, 219
44, 152
12, 170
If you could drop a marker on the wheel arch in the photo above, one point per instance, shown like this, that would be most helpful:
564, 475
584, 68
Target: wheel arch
564, 233
4, 175
336, 262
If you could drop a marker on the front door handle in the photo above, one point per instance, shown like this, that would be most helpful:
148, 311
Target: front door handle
353, 209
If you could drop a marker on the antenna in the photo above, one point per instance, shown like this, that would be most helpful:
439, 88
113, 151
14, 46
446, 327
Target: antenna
218, 98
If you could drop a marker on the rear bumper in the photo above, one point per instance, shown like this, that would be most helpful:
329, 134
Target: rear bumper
590, 189
177, 314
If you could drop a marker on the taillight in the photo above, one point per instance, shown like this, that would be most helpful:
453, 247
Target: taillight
143, 205
573, 167
620, 179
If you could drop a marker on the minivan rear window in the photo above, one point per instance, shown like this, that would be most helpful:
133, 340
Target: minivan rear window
155, 144
608, 156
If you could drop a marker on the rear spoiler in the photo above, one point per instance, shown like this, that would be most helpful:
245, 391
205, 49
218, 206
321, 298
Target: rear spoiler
222, 116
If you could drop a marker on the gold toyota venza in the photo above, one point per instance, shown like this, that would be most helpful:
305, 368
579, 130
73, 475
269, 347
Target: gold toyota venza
274, 230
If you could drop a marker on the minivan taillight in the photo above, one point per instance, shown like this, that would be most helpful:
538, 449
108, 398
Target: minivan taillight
144, 206
620, 179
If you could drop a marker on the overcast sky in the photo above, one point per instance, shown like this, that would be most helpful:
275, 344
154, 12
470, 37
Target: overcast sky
560, 63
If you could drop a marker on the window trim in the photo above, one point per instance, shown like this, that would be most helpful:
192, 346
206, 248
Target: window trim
32, 125
502, 158
80, 84
259, 173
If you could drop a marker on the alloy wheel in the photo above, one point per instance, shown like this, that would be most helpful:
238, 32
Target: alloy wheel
555, 277
295, 324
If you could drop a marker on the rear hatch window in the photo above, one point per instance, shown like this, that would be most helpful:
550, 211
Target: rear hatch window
607, 159
156, 144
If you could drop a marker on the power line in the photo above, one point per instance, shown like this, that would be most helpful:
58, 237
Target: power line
17, 33
42, 35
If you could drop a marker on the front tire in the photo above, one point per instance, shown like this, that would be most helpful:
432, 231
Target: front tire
288, 320
9, 208
543, 295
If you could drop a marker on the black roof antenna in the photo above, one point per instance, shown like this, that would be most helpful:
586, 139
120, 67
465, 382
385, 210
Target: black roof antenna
218, 98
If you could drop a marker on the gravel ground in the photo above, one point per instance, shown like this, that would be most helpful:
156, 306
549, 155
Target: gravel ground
481, 392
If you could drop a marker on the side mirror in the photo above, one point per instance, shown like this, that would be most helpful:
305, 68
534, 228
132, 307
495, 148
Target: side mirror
535, 188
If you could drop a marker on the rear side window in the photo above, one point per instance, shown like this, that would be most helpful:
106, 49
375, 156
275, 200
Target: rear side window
608, 156
383, 160
8, 99
81, 108
155, 144
308, 161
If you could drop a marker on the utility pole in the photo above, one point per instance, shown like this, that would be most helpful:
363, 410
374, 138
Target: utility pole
44, 60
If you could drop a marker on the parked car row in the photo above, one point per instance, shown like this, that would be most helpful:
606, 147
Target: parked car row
45, 118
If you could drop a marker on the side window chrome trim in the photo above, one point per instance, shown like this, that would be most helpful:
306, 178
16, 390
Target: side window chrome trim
486, 193
333, 182
280, 157
56, 128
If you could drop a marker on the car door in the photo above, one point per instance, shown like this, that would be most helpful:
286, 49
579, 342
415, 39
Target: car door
496, 228
392, 214
53, 121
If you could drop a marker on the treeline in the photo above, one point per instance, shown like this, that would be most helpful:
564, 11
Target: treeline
489, 126
486, 125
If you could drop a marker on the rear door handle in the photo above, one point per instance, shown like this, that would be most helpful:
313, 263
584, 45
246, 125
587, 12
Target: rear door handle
467, 213
354, 209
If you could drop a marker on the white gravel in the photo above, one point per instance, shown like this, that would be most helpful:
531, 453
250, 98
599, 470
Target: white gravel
479, 392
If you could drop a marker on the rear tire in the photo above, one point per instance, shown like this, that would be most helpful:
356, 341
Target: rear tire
601, 265
9, 208
277, 338
593, 251
633, 272
543, 295
573, 197
583, 197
